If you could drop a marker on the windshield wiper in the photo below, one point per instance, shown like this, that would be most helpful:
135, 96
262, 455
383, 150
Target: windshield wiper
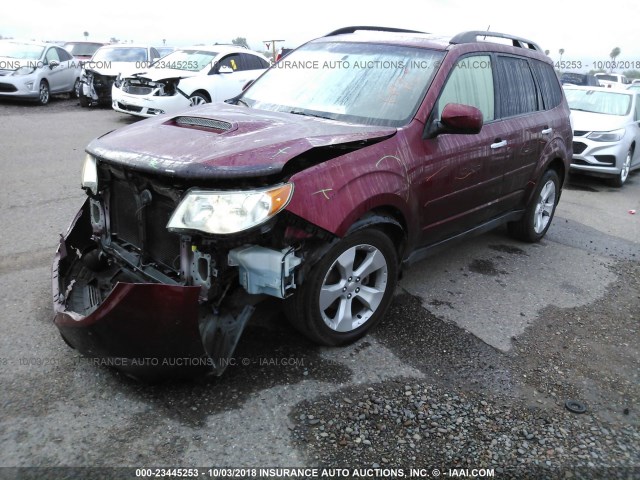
307, 114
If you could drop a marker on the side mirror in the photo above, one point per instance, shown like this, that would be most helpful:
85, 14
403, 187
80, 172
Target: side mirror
53, 64
225, 69
457, 119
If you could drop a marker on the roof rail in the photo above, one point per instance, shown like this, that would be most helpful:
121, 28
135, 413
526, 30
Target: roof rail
472, 36
343, 30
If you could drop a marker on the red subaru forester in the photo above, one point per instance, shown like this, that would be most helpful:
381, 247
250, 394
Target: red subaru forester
354, 156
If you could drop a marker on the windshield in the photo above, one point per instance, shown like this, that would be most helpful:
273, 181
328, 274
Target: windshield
121, 54
20, 50
610, 78
354, 82
82, 49
599, 101
188, 60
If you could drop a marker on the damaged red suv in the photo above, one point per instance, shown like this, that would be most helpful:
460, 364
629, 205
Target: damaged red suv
356, 155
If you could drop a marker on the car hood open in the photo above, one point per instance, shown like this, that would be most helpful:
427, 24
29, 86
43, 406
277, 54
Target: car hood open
112, 69
226, 141
156, 74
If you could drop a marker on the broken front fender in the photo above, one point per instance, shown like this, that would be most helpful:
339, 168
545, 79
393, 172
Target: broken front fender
148, 330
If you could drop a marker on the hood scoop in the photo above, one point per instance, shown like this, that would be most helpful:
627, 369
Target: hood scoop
202, 123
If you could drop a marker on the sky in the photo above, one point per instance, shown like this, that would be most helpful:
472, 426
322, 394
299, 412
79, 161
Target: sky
586, 31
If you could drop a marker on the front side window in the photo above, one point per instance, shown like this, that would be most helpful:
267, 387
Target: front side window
518, 94
52, 55
364, 83
471, 83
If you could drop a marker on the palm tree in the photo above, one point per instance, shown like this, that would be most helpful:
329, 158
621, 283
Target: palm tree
614, 53
546, 52
561, 51
86, 35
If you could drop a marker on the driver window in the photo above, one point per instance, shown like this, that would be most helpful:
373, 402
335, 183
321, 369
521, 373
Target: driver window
52, 55
471, 83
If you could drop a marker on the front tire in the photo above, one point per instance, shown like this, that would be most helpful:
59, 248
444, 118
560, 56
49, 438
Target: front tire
77, 86
619, 180
348, 291
44, 93
539, 212
82, 98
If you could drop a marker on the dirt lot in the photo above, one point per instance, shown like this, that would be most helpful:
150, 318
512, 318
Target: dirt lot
471, 369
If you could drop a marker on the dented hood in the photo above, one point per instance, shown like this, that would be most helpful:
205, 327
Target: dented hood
228, 141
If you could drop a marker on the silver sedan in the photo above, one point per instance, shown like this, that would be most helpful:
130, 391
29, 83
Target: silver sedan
35, 71
606, 132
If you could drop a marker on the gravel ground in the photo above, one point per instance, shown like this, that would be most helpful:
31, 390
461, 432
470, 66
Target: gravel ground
479, 408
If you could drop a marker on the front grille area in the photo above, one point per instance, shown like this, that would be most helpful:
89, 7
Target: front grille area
7, 87
129, 108
136, 90
140, 220
579, 147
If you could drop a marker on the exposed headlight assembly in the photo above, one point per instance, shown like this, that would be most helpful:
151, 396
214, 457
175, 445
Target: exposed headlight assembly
612, 136
224, 212
90, 174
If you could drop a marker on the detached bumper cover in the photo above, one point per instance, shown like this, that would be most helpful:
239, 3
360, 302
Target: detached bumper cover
148, 330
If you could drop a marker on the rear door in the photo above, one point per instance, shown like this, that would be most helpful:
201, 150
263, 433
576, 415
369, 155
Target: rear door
521, 109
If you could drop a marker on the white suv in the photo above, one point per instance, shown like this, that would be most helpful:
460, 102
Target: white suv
187, 77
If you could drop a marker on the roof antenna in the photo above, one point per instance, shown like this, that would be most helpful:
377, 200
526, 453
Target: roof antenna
488, 28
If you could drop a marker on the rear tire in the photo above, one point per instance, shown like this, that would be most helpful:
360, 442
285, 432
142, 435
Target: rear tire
539, 213
348, 291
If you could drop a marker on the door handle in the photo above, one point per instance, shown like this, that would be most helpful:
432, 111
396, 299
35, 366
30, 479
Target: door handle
546, 130
499, 144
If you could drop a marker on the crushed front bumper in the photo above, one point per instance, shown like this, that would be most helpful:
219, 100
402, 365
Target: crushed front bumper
147, 330
147, 105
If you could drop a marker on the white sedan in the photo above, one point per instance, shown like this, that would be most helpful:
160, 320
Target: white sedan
187, 77
606, 134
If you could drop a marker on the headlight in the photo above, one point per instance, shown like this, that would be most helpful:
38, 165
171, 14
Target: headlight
612, 136
24, 70
90, 174
229, 212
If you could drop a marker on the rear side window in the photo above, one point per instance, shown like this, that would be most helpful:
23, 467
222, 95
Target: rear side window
63, 55
471, 83
253, 62
518, 93
549, 86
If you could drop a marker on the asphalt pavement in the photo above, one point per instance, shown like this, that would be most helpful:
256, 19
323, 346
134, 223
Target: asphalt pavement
483, 317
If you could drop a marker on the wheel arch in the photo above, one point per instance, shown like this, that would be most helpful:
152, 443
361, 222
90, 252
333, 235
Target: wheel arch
202, 92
